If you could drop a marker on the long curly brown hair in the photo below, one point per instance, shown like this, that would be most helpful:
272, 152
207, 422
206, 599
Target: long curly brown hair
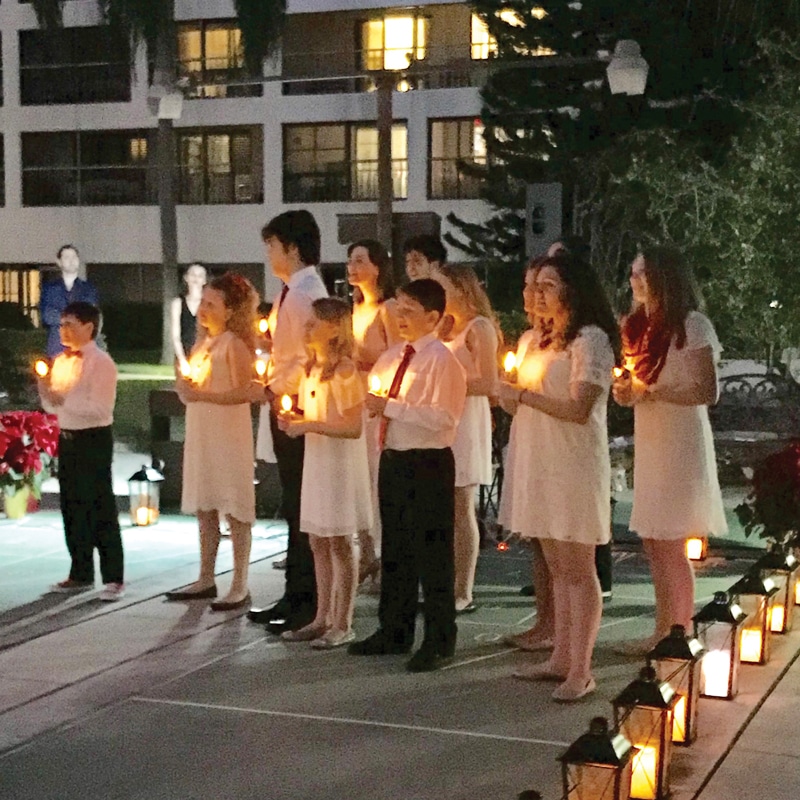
241, 298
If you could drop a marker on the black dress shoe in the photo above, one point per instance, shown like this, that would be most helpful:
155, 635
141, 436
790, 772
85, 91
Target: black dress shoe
379, 644
203, 594
427, 660
261, 616
278, 625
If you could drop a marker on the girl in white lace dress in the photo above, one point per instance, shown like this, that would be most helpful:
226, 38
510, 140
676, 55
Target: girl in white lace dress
218, 450
561, 473
671, 351
335, 501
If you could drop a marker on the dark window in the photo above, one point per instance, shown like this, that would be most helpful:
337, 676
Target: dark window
451, 143
211, 60
74, 65
1, 70
334, 162
220, 166
86, 168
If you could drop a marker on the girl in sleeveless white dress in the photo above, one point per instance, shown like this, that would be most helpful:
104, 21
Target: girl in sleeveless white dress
671, 383
369, 272
335, 499
218, 449
474, 340
560, 473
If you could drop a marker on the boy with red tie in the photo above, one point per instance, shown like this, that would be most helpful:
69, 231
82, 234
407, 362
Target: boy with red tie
416, 482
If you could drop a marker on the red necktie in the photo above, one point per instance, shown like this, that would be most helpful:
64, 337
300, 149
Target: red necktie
284, 292
394, 389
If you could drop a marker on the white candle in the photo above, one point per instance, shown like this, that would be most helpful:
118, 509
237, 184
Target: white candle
716, 666
776, 619
510, 361
679, 720
694, 549
751, 646
643, 777
142, 516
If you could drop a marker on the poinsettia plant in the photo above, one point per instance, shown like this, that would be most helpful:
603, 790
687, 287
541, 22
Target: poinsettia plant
28, 448
772, 508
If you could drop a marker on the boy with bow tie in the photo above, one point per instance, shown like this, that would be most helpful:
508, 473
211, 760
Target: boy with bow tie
80, 390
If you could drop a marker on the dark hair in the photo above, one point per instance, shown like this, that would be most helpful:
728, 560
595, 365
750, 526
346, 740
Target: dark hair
427, 292
671, 285
67, 247
298, 228
429, 245
574, 246
84, 312
585, 298
380, 258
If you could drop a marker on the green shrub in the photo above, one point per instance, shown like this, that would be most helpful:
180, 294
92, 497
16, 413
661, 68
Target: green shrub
12, 317
132, 326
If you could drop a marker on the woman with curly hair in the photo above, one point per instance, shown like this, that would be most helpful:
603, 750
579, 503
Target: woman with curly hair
561, 470
670, 351
219, 432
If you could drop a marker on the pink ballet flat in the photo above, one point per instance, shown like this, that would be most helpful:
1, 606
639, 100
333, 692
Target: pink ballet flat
569, 694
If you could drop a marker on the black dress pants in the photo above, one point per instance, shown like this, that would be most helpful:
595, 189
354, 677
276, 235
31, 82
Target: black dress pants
416, 492
88, 507
300, 593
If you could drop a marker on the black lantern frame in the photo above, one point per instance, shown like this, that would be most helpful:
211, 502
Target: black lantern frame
756, 596
144, 492
717, 626
782, 567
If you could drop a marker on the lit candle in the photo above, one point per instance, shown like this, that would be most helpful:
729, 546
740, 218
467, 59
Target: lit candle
185, 368
716, 670
619, 372
797, 593
679, 720
510, 361
261, 367
142, 516
286, 404
643, 776
776, 619
751, 646
375, 384
42, 368
263, 325
694, 549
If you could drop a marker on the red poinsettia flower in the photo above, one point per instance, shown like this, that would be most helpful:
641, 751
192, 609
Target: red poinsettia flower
28, 445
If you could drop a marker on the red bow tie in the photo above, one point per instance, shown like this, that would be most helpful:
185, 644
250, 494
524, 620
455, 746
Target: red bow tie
73, 353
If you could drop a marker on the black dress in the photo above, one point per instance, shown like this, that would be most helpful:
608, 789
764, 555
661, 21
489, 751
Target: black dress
188, 328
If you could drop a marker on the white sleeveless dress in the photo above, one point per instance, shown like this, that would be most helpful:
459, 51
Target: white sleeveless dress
472, 449
218, 450
675, 485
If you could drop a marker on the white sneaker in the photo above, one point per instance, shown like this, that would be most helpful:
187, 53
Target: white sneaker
112, 592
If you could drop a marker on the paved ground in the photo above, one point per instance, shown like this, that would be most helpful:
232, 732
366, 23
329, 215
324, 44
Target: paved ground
146, 699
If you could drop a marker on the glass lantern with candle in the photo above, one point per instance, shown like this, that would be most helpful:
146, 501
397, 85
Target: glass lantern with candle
782, 568
677, 659
717, 626
643, 713
144, 490
597, 765
697, 548
756, 596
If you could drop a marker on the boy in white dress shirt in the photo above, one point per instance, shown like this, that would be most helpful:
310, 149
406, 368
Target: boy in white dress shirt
80, 390
416, 482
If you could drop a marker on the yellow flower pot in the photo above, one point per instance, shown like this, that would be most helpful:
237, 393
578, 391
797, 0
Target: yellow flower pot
16, 505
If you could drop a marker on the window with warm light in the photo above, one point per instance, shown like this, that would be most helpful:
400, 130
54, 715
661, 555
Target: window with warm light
339, 161
211, 60
484, 45
452, 142
21, 285
393, 42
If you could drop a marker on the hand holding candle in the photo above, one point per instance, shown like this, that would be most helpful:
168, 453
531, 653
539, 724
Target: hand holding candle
261, 367
375, 385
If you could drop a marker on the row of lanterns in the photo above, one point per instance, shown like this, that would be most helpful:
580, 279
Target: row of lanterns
659, 708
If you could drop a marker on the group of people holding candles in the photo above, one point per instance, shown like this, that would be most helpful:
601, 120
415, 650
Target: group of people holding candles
381, 428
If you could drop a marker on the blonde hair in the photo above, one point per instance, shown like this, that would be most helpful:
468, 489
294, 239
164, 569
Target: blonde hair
240, 296
465, 282
334, 311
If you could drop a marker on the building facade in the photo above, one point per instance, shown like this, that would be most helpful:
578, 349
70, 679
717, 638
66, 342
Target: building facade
78, 136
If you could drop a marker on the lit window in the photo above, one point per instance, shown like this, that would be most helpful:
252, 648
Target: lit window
452, 143
484, 45
393, 42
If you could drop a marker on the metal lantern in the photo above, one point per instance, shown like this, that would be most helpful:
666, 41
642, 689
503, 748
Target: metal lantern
677, 659
717, 627
643, 713
144, 489
697, 548
756, 596
597, 765
782, 567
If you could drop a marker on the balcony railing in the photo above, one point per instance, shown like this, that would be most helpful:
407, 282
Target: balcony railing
79, 83
342, 182
215, 77
88, 186
447, 182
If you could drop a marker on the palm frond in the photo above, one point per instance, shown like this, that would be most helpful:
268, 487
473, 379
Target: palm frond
142, 18
261, 23
49, 13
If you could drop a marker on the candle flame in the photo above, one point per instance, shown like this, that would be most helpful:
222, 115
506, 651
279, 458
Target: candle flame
618, 372
263, 325
510, 361
286, 403
42, 368
261, 367
695, 548
375, 384
186, 369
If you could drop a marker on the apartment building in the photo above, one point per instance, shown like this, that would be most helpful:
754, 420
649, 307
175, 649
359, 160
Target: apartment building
78, 131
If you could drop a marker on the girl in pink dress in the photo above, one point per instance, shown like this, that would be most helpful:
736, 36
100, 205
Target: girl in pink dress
335, 495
